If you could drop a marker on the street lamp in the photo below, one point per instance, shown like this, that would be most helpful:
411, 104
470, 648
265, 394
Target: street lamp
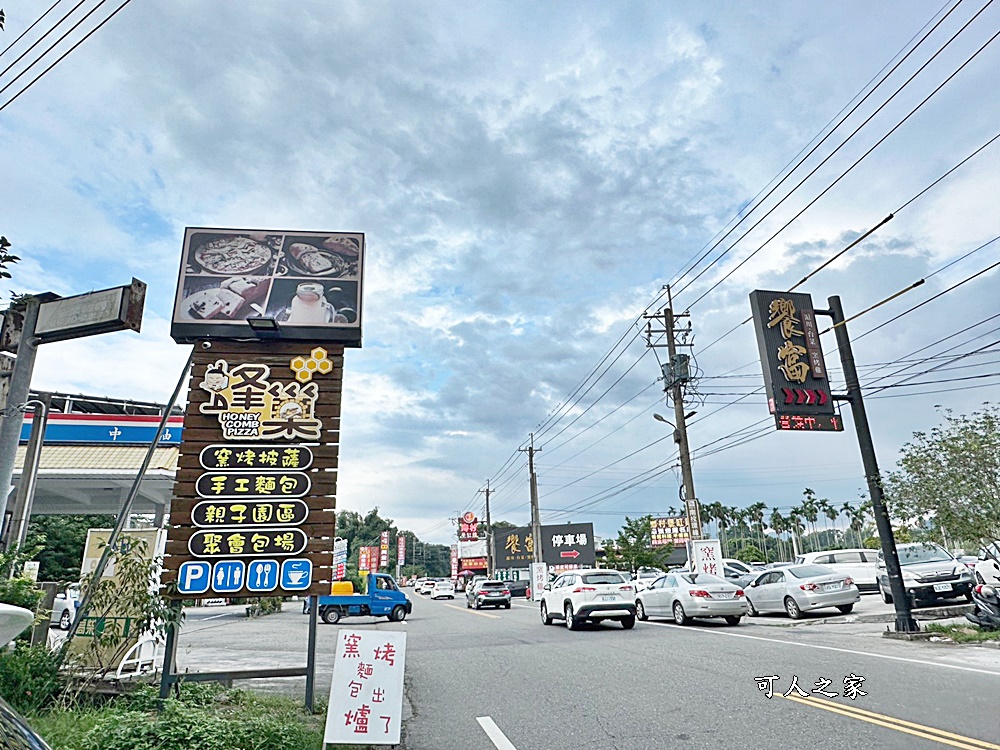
677, 434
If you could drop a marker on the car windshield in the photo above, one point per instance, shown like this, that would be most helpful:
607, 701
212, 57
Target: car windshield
701, 578
809, 571
492, 585
922, 553
607, 578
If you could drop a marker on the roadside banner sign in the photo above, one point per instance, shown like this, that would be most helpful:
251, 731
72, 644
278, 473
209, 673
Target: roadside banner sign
708, 556
401, 550
366, 694
383, 550
539, 577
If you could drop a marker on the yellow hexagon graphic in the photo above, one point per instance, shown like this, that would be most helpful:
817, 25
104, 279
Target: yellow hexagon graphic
303, 376
318, 353
325, 366
298, 363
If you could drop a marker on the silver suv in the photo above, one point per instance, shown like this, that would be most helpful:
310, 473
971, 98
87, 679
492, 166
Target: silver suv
590, 594
930, 574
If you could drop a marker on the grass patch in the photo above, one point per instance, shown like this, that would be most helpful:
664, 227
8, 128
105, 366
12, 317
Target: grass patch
205, 717
963, 633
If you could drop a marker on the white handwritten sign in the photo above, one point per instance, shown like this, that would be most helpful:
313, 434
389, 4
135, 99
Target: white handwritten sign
708, 556
366, 695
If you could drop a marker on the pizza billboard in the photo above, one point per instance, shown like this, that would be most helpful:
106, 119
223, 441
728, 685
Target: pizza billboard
269, 284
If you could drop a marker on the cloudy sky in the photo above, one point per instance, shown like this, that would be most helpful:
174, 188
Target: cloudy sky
529, 176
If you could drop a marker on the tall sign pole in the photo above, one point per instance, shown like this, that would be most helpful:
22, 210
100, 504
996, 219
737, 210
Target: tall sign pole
799, 396
904, 615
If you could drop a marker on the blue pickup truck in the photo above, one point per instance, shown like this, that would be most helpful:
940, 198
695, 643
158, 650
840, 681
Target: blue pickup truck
384, 599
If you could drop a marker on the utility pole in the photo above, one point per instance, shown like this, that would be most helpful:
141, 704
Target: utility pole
489, 532
904, 614
536, 523
676, 373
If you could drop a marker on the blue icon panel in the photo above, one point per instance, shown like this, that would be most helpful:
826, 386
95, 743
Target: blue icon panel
228, 576
296, 574
262, 575
194, 577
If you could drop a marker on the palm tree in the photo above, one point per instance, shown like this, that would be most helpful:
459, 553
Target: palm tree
796, 528
756, 512
833, 514
808, 510
778, 524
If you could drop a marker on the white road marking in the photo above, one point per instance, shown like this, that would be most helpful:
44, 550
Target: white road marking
825, 648
472, 611
203, 619
498, 738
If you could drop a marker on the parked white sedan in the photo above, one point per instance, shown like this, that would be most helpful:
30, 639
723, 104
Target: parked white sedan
801, 588
684, 596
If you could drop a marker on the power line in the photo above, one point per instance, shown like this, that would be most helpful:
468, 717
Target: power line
61, 57
35, 23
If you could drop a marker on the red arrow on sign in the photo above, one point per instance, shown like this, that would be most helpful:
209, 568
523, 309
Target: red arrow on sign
811, 397
802, 396
789, 396
571, 553
822, 397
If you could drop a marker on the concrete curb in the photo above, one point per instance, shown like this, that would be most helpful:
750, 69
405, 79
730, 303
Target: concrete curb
934, 613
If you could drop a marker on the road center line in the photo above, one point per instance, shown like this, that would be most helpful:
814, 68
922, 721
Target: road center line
826, 648
471, 611
498, 738
908, 727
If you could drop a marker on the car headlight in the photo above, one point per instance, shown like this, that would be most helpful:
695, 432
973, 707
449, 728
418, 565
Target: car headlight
962, 571
908, 576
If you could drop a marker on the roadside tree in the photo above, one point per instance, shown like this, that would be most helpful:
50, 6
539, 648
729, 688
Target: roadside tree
949, 479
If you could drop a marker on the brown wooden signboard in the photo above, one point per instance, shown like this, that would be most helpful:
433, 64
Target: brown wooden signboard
254, 500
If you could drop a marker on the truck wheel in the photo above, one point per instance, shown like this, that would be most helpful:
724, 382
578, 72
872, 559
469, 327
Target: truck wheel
330, 615
398, 613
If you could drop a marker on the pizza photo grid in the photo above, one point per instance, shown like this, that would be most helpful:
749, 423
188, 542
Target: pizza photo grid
305, 279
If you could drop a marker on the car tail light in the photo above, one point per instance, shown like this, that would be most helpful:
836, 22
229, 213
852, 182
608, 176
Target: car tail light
624, 588
739, 593
848, 581
482, 593
581, 589
808, 586
505, 592
700, 593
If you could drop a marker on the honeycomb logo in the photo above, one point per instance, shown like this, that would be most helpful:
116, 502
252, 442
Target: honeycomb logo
304, 367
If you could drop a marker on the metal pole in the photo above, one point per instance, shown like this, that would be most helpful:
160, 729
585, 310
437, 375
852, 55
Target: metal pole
20, 385
311, 655
126, 509
489, 532
691, 505
904, 616
18, 529
536, 521
169, 654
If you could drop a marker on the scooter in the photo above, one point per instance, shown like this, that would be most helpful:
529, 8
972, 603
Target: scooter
986, 599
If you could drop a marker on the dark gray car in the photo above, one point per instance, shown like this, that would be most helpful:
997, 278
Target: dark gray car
488, 594
930, 574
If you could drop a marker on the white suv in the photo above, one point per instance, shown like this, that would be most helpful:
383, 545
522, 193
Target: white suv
589, 594
988, 564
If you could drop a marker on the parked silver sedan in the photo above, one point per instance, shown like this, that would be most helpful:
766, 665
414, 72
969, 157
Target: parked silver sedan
801, 588
684, 595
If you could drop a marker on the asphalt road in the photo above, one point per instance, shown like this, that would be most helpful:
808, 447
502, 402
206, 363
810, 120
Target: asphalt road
492, 680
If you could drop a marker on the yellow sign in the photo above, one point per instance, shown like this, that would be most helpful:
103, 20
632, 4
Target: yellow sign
251, 407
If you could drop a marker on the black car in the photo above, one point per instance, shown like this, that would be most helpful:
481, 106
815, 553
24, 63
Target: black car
519, 588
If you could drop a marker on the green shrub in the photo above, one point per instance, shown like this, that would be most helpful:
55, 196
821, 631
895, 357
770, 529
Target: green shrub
29, 677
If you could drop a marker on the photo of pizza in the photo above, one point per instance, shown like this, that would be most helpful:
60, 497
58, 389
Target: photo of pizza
309, 260
233, 255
